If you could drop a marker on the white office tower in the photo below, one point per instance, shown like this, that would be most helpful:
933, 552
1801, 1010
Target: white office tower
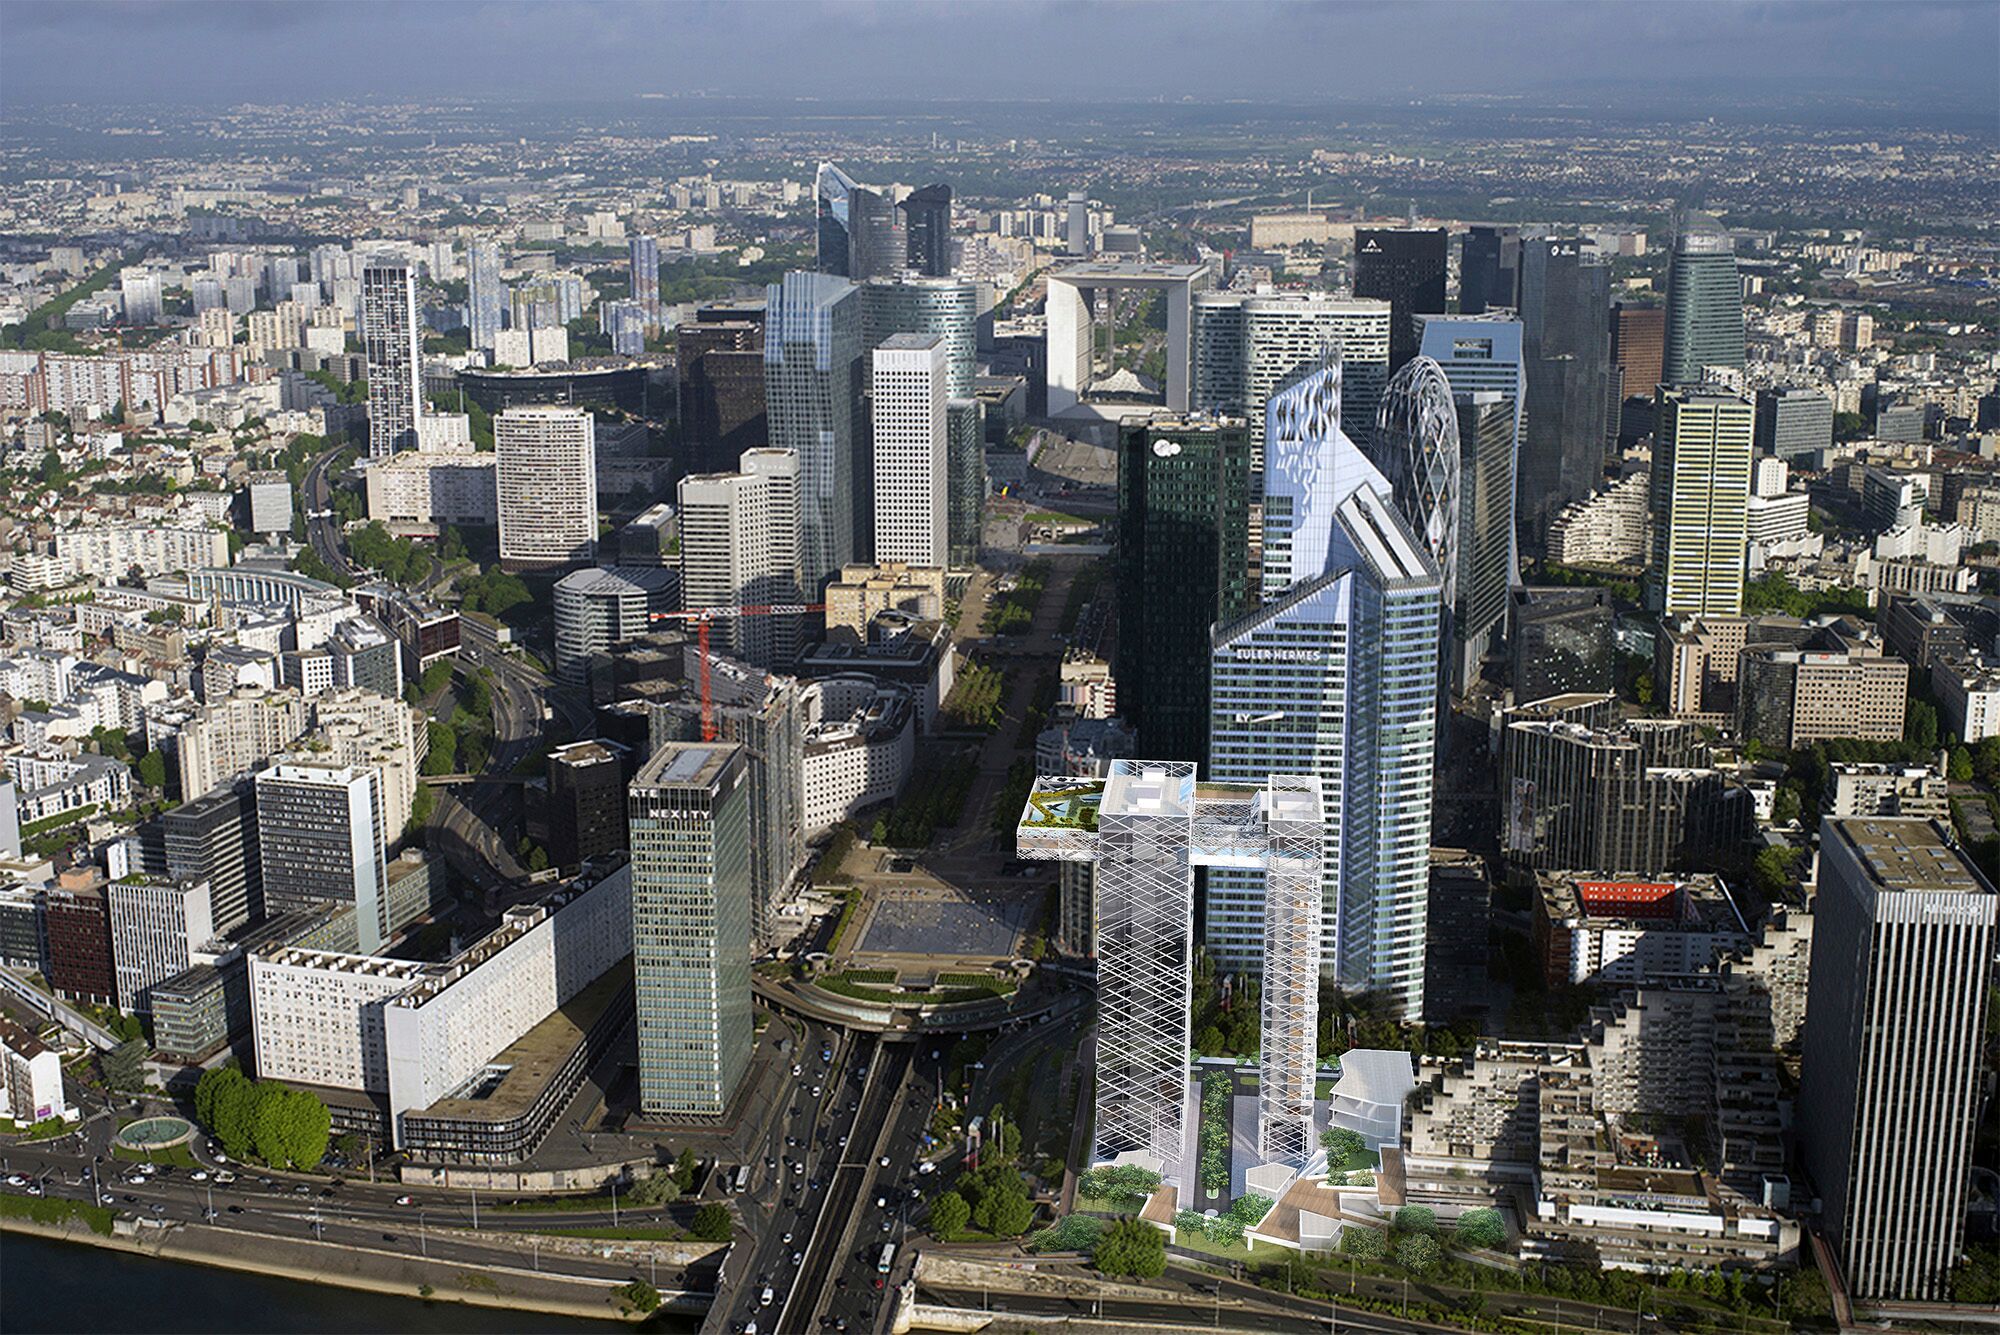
1145, 826
391, 341
546, 483
740, 549
485, 295
140, 289
1890, 1084
321, 836
1246, 345
1702, 445
270, 502
1336, 677
909, 385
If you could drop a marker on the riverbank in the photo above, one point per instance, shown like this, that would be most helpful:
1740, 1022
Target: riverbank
388, 1273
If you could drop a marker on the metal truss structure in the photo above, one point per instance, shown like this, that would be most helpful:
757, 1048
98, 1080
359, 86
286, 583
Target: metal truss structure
1146, 826
1416, 447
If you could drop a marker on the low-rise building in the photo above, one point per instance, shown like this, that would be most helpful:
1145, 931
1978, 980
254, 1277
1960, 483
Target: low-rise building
31, 1083
1887, 790
1968, 695
916, 655
1613, 527
863, 591
1594, 928
433, 487
860, 740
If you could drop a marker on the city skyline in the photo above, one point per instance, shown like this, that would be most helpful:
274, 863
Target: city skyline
556, 612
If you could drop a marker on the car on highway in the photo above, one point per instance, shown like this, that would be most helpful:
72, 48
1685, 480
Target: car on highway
927, 1167
406, 1200
882, 1162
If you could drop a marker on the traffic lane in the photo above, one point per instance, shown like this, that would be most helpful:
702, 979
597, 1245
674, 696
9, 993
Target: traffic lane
321, 1220
859, 1290
888, 1202
1193, 1312
793, 1201
823, 1258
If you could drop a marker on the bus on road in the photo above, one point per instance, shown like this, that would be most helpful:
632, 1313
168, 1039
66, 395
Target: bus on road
888, 1258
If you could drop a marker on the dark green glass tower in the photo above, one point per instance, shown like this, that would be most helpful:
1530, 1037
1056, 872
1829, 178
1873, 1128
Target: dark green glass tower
1183, 565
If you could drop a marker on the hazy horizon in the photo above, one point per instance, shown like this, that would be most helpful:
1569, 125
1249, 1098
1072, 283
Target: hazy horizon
1933, 55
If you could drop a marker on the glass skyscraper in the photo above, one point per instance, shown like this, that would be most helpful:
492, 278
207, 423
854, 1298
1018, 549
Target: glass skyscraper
1335, 677
1489, 263
1183, 565
1405, 268
1248, 345
1566, 358
813, 372
859, 236
643, 254
927, 219
1704, 303
689, 813
1482, 355
1485, 529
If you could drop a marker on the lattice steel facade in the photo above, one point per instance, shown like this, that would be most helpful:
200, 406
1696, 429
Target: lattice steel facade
1146, 826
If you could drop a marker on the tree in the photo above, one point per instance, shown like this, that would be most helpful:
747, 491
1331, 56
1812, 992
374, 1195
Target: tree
1419, 1252
1961, 765
711, 1223
436, 677
1130, 1247
1787, 805
949, 1215
1920, 728
639, 1296
1417, 1219
125, 1065
1343, 1146
1007, 1215
687, 1165
153, 770
1480, 1228
306, 1127
442, 757
1364, 1244
222, 1100
1771, 870
421, 807
656, 1188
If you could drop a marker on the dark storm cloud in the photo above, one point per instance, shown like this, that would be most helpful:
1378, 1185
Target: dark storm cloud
219, 51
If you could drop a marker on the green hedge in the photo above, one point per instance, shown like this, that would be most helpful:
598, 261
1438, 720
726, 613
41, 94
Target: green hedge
55, 1210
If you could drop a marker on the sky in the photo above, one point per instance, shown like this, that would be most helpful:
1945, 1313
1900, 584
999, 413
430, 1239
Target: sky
227, 51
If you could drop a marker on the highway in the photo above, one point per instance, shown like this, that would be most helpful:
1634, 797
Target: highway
1192, 1311
353, 1213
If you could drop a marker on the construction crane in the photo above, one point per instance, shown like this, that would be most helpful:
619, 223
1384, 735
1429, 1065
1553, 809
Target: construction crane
702, 617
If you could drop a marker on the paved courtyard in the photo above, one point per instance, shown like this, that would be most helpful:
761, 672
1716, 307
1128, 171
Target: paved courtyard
939, 926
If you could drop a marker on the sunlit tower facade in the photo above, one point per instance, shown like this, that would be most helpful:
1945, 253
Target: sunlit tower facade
1335, 676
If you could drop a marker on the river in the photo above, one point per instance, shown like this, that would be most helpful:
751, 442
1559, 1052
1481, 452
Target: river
66, 1288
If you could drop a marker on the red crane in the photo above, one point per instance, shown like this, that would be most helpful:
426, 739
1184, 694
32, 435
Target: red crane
701, 617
